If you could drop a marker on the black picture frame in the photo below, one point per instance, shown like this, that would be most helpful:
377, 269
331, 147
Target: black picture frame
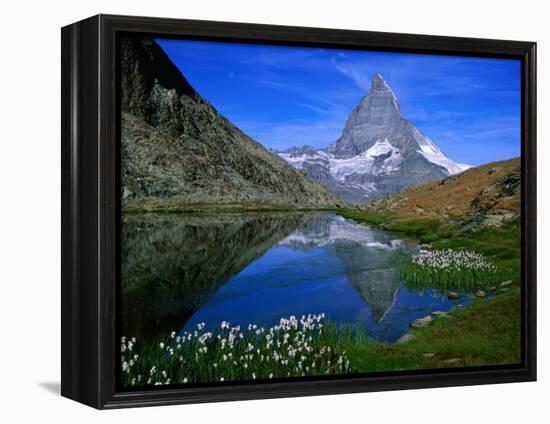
90, 209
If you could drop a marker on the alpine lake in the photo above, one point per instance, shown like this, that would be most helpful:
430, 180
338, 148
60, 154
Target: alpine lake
180, 270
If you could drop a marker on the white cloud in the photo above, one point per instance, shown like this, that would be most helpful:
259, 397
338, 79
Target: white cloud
360, 73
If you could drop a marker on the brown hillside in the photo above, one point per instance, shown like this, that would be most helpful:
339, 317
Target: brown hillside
490, 192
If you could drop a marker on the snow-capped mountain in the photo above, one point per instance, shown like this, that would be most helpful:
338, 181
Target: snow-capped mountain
379, 152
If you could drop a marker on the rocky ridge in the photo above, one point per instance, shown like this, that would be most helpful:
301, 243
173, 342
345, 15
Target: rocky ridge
177, 150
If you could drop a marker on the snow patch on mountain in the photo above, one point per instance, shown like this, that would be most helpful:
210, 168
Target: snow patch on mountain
432, 153
443, 161
382, 158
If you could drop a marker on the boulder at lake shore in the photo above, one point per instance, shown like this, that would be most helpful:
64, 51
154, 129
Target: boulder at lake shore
421, 322
405, 338
453, 296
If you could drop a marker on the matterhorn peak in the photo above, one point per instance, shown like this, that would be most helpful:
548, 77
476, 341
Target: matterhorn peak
379, 83
380, 88
379, 152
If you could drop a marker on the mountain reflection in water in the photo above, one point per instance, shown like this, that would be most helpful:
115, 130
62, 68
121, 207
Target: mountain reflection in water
179, 270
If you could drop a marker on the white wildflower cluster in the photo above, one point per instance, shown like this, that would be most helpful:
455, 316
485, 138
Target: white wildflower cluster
292, 348
128, 358
453, 259
451, 266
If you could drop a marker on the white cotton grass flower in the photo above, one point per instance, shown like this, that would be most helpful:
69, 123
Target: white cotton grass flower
453, 259
451, 266
291, 347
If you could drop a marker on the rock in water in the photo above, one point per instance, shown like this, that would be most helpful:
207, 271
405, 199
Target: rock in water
421, 322
378, 153
480, 293
453, 296
177, 150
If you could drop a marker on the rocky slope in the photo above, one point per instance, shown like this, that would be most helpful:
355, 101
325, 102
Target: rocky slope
487, 195
178, 151
379, 152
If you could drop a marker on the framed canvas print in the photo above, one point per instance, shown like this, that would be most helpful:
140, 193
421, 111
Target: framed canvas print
254, 211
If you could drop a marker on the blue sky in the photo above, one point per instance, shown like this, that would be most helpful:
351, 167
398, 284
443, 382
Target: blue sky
284, 96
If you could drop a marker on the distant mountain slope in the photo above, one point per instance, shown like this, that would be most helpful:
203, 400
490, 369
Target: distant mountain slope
177, 150
485, 195
379, 152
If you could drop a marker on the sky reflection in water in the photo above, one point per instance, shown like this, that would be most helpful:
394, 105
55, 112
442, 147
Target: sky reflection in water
331, 265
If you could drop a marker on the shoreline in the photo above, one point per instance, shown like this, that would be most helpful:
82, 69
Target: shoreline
466, 337
229, 208
456, 341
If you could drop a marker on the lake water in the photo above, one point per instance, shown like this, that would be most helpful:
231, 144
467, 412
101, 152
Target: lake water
181, 270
